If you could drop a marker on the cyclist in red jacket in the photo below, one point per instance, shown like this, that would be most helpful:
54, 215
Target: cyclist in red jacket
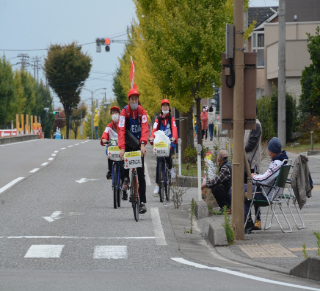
109, 132
133, 118
167, 124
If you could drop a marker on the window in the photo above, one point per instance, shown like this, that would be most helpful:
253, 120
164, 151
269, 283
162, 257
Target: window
57, 114
258, 47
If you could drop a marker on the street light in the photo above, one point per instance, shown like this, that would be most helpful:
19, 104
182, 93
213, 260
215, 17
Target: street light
92, 92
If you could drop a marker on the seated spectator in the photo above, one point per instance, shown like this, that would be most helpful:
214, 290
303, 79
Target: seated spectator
221, 184
269, 177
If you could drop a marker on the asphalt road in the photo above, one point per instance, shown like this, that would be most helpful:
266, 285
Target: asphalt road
59, 231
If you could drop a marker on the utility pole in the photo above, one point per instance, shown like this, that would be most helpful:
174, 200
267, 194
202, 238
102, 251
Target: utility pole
238, 124
282, 74
24, 60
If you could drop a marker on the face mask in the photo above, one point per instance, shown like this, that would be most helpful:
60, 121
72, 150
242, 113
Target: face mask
165, 112
115, 117
204, 110
134, 106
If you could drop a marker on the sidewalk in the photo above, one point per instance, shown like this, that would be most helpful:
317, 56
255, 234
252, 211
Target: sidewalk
272, 249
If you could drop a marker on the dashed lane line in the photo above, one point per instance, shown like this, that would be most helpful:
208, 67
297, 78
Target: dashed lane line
44, 164
34, 170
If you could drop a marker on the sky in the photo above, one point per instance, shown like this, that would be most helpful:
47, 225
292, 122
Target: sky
30, 26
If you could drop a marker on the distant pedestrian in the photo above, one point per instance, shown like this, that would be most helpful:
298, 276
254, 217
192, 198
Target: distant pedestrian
211, 122
204, 123
96, 123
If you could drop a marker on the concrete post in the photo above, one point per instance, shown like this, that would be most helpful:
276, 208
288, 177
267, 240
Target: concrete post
282, 74
238, 125
199, 149
179, 152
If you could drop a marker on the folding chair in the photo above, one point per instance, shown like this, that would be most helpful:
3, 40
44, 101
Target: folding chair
271, 202
291, 197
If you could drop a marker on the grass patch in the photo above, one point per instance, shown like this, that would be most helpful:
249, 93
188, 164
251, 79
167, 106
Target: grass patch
190, 170
302, 148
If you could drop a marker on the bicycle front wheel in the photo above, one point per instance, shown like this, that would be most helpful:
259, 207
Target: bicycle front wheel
161, 180
135, 197
115, 185
168, 183
119, 188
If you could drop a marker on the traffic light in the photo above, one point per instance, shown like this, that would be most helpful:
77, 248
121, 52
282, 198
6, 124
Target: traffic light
54, 112
103, 42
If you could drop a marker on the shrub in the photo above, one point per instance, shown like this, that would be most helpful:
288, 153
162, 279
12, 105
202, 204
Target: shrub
265, 117
190, 155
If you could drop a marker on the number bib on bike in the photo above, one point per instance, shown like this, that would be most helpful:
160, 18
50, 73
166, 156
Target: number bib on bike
161, 149
132, 160
113, 153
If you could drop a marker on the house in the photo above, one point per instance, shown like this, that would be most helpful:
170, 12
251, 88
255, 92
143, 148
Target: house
301, 17
255, 43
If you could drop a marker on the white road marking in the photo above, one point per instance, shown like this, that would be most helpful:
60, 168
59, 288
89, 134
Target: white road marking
84, 180
70, 146
157, 226
50, 159
80, 237
44, 164
4, 188
34, 170
53, 155
110, 252
8, 144
54, 216
62, 148
239, 274
146, 173
56, 151
76, 144
83, 142
44, 251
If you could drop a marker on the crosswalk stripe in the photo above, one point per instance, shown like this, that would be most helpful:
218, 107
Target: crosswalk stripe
110, 252
44, 251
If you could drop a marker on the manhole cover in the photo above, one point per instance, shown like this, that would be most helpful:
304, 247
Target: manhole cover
267, 251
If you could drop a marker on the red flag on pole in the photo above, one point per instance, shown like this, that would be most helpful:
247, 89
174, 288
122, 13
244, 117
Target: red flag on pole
132, 73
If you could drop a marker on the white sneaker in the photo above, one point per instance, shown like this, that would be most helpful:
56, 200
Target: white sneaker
173, 173
156, 191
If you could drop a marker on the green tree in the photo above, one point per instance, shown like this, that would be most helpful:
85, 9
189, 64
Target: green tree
118, 90
77, 116
265, 117
6, 90
310, 80
44, 109
184, 41
66, 68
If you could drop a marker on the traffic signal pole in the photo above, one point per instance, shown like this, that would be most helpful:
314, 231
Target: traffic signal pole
238, 125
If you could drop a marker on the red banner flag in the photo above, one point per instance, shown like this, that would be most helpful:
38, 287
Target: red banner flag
132, 74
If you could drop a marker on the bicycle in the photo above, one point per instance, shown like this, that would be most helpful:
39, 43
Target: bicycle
134, 187
164, 178
116, 177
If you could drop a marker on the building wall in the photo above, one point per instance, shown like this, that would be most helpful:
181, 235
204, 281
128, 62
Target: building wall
297, 55
293, 87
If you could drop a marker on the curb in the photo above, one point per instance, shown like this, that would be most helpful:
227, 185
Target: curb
309, 269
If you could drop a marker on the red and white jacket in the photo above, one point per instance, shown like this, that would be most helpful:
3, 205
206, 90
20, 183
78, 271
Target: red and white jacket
125, 117
165, 120
111, 126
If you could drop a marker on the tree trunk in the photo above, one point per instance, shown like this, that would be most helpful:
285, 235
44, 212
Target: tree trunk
183, 134
190, 140
67, 113
199, 129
